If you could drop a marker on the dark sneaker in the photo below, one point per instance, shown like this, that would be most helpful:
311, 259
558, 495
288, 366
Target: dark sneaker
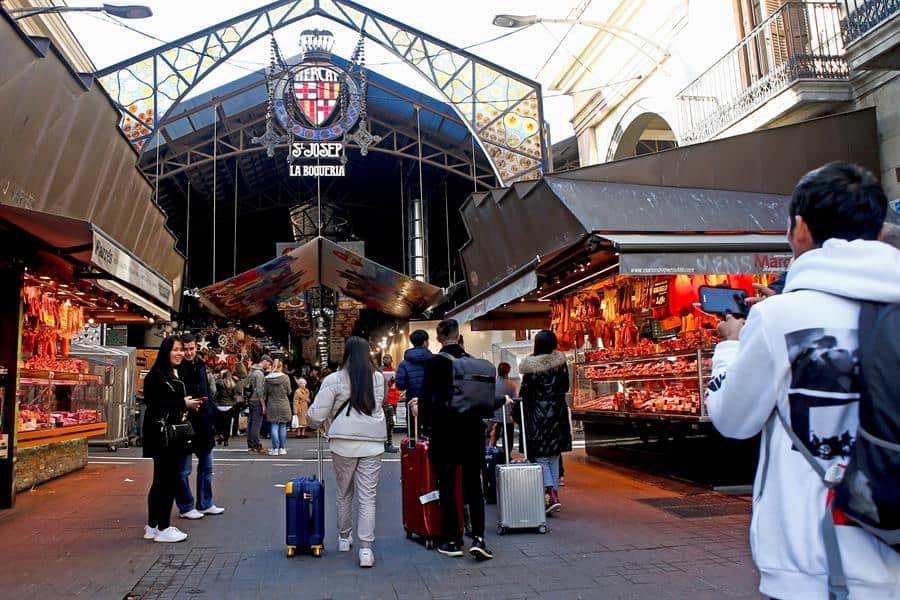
450, 549
479, 550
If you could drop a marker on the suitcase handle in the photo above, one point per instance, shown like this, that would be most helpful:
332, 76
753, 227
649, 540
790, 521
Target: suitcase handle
320, 468
410, 435
524, 437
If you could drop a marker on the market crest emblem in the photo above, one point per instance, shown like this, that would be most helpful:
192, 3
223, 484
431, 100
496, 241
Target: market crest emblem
316, 103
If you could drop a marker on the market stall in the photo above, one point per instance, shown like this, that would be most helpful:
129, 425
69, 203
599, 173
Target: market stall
70, 280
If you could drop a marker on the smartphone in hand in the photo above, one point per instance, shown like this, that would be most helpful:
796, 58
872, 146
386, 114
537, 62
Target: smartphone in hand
724, 301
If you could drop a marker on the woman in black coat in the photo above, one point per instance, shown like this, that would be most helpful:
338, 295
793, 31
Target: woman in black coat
167, 402
545, 382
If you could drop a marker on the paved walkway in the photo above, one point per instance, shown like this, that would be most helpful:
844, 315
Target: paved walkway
621, 535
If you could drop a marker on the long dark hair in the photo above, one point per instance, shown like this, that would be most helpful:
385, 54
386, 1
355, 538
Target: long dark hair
358, 364
163, 363
544, 342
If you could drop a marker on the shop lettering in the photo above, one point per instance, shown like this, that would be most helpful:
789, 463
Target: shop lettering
104, 254
317, 170
765, 262
317, 150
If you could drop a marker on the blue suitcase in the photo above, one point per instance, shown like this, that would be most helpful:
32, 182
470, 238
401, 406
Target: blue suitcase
305, 512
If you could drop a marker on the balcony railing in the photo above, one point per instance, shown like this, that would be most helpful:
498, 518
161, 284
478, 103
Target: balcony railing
800, 41
864, 15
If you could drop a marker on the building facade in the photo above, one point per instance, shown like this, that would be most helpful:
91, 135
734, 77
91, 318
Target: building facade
657, 74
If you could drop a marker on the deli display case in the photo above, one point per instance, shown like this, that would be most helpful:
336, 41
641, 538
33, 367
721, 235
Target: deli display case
656, 384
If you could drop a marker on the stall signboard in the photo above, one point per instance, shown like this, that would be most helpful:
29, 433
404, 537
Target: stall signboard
356, 247
703, 263
110, 257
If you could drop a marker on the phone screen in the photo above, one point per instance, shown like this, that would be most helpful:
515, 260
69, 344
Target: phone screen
723, 301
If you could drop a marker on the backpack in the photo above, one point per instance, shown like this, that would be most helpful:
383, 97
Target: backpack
473, 385
868, 490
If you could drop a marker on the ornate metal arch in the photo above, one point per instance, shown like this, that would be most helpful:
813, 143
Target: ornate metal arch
503, 110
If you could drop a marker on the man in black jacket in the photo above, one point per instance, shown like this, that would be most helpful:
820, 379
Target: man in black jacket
193, 372
457, 441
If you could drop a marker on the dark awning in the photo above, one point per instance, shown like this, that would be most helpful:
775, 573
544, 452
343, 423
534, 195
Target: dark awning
324, 262
61, 153
129, 277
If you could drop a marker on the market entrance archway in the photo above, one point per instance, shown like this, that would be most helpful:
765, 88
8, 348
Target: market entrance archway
503, 110
647, 133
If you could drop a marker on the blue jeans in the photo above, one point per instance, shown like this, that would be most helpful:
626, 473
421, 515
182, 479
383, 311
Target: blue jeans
550, 464
183, 497
279, 435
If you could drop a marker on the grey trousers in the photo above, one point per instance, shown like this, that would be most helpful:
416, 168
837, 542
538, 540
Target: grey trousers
359, 477
254, 424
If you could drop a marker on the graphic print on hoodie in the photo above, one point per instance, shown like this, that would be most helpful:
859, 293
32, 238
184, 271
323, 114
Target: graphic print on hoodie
824, 389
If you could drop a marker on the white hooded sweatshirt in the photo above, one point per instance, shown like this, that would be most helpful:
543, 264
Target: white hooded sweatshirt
798, 351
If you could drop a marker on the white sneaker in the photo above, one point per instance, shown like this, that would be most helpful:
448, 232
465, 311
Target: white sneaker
273, 452
345, 543
213, 510
170, 536
150, 532
192, 514
366, 558
282, 451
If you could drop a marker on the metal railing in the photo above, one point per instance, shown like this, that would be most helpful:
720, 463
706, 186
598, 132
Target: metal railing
800, 41
864, 15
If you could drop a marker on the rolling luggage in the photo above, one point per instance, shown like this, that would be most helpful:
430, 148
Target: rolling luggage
418, 483
305, 511
492, 460
520, 491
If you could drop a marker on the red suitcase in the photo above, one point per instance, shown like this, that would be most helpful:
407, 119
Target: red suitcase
418, 481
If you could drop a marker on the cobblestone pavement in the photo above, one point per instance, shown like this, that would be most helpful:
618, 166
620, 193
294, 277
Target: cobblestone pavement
621, 535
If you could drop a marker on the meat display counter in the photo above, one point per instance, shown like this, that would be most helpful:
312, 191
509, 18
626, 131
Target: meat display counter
654, 385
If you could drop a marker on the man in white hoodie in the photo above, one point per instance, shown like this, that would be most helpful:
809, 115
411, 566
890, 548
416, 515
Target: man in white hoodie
797, 354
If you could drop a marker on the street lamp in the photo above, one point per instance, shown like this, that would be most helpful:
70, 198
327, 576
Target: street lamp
128, 11
518, 21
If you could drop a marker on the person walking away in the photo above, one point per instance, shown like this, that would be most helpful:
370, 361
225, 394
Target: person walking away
391, 398
503, 388
194, 373
794, 366
351, 400
226, 404
545, 382
257, 402
167, 403
457, 442
301, 407
278, 407
411, 371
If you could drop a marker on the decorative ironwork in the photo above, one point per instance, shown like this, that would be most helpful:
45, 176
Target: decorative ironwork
865, 15
800, 41
502, 109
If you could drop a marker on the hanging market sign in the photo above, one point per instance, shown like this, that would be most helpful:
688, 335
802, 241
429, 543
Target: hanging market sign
318, 151
696, 263
318, 103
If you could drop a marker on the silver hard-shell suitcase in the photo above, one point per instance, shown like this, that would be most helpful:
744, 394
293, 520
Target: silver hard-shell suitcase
520, 491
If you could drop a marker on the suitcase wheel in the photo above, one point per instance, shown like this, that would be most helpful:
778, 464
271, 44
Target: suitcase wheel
501, 530
542, 529
409, 534
316, 551
429, 544
291, 551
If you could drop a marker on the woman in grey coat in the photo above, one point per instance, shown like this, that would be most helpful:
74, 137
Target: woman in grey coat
278, 407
